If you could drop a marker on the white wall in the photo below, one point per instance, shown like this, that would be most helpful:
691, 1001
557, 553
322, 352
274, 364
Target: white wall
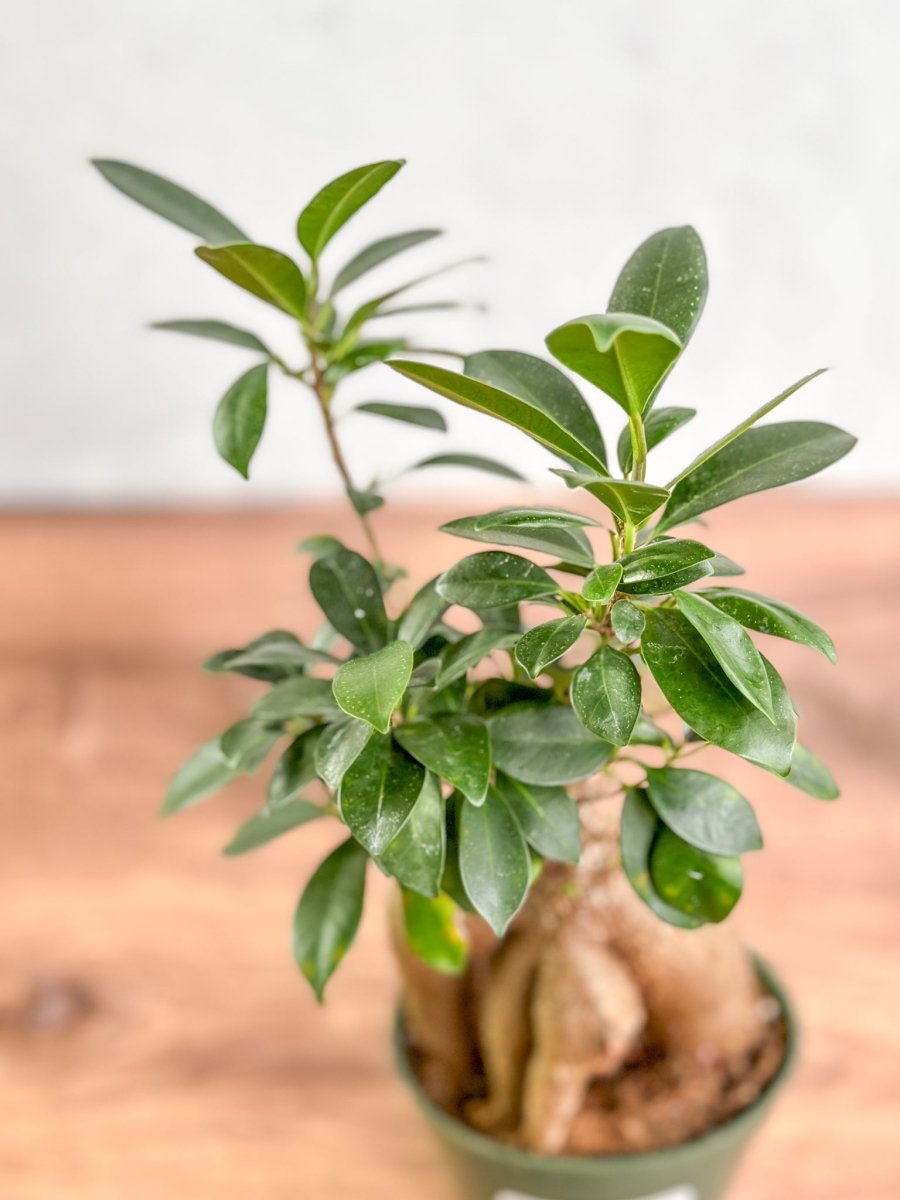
555, 135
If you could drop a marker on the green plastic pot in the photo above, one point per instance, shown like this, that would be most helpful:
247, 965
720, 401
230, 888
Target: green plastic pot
696, 1170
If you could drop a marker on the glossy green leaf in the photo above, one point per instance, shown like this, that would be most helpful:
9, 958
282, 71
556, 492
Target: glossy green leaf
378, 792
650, 569
547, 816
169, 200
703, 696
630, 500
271, 823
606, 695
245, 744
205, 772
666, 279
493, 860
271, 657
527, 417
494, 578
456, 747
295, 769
433, 932
336, 203
216, 331
532, 518
416, 855
704, 810
371, 687
543, 386
566, 542
627, 621
378, 252
347, 590
774, 617
602, 583
492, 695
339, 746
544, 644
457, 659
626, 356
300, 696
702, 885
810, 775
423, 611
362, 355
723, 565
648, 733
660, 424
638, 829
241, 417
378, 305
732, 647
768, 457
475, 462
545, 744
408, 414
264, 272
329, 913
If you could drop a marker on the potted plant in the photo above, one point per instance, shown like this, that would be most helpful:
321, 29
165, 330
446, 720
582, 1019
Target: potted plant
576, 1020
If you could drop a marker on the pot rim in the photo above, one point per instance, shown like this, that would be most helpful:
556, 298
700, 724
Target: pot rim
568, 1164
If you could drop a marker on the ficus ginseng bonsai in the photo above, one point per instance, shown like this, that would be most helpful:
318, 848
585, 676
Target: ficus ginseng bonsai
547, 937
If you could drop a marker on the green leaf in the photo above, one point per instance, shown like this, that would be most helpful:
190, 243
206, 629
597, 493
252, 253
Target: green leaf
416, 855
271, 657
514, 410
432, 932
768, 457
371, 687
457, 747
493, 860
336, 203
246, 743
660, 424
378, 252
547, 816
494, 578
476, 462
264, 272
461, 656
241, 417
543, 386
328, 914
666, 279
630, 500
648, 733
170, 201
378, 792
650, 569
810, 775
205, 772
638, 829
423, 611
546, 643
319, 545
532, 518
774, 617
545, 744
300, 696
700, 692
732, 647
376, 307
602, 583
271, 823
626, 356
606, 695
627, 621
364, 502
347, 590
723, 565
704, 810
492, 695
409, 414
216, 331
339, 746
565, 541
295, 769
702, 885
364, 354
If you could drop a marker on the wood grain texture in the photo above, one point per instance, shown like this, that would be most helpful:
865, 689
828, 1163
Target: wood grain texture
155, 1039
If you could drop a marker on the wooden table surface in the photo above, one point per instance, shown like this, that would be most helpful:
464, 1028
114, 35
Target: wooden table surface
155, 1039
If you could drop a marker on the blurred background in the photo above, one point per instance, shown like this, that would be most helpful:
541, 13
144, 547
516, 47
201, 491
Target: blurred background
556, 137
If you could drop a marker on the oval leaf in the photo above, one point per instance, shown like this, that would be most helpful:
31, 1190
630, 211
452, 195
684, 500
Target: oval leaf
216, 331
630, 500
461, 656
272, 823
264, 272
416, 855
336, 203
377, 253
378, 792
698, 884
347, 590
241, 417
774, 617
638, 829
433, 932
810, 775
328, 914
408, 414
627, 621
666, 279
602, 583
493, 860
643, 569
545, 744
704, 810
295, 769
565, 542
545, 644
371, 687
299, 696
340, 745
547, 816
606, 695
170, 201
494, 579
456, 747
205, 772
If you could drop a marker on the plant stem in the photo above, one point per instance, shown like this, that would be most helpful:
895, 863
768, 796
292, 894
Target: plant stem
638, 447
